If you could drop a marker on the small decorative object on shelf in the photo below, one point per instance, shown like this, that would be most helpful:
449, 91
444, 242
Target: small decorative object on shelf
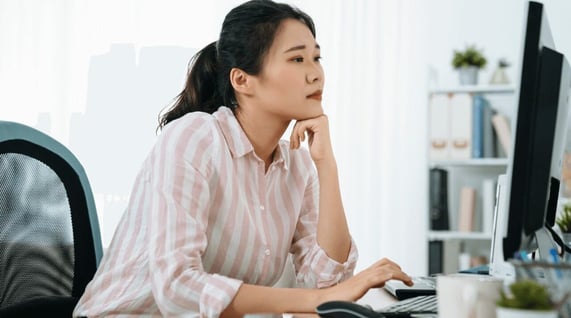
500, 77
468, 63
528, 299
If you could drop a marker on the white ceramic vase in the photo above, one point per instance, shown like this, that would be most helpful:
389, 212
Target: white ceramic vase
468, 75
522, 313
566, 238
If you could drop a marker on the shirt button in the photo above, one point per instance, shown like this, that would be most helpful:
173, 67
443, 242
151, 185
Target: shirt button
262, 207
267, 252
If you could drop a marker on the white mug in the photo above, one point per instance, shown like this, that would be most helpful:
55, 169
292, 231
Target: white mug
467, 295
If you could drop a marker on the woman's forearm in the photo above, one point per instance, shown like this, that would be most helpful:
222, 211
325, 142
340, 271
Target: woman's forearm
332, 230
262, 299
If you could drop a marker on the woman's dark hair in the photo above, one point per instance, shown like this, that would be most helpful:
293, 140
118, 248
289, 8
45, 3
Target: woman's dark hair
246, 36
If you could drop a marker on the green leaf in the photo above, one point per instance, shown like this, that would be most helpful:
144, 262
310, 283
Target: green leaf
526, 294
564, 219
471, 56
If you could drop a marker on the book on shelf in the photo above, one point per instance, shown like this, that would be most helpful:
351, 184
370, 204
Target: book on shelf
483, 136
478, 106
502, 129
490, 137
467, 209
438, 200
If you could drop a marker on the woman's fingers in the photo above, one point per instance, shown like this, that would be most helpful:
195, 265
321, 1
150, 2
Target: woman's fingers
386, 269
298, 134
373, 277
386, 261
316, 130
398, 275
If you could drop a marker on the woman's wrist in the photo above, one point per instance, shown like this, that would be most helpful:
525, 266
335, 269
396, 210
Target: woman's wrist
319, 296
328, 163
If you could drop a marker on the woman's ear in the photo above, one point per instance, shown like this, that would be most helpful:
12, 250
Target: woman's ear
241, 81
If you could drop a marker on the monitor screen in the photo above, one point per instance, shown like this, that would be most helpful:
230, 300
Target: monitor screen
540, 127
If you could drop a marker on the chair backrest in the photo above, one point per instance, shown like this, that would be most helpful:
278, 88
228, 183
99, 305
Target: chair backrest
50, 244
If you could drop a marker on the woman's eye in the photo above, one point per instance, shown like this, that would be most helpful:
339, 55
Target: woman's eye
298, 59
317, 58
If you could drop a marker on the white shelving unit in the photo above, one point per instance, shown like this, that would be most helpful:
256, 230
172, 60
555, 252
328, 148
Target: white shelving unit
456, 235
480, 162
485, 89
468, 172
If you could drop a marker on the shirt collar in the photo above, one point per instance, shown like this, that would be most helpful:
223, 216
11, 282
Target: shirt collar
238, 142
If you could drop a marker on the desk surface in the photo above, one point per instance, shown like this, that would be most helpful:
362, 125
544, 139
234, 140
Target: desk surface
377, 298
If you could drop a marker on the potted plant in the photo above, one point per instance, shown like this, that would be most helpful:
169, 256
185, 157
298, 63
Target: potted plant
468, 63
564, 222
527, 299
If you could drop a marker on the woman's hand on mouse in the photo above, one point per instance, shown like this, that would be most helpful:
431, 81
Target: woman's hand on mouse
374, 276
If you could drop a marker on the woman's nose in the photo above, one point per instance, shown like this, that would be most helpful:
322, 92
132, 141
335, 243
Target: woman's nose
314, 74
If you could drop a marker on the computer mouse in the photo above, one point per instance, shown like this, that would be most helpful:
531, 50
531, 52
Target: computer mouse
345, 309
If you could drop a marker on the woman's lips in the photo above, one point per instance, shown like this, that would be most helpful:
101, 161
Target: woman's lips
316, 95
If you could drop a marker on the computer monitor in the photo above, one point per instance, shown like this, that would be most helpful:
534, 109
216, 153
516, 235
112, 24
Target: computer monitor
540, 139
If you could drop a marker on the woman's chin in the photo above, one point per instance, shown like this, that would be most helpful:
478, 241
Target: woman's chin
312, 113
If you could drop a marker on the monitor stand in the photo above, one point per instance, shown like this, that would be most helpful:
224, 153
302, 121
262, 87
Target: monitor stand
545, 244
542, 238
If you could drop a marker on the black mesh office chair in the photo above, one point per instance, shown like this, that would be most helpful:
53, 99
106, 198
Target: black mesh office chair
50, 244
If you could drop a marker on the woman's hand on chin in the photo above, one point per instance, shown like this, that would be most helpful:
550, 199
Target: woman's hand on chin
319, 141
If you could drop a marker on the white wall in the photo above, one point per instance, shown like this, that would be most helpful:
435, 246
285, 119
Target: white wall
495, 26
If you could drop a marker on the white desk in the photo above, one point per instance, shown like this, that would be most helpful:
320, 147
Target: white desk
377, 298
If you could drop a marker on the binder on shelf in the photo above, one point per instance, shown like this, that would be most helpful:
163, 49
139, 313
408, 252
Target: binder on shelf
439, 142
478, 105
438, 200
490, 137
461, 126
502, 129
483, 136
435, 257
467, 208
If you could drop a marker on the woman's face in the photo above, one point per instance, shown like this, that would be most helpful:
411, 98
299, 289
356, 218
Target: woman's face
291, 81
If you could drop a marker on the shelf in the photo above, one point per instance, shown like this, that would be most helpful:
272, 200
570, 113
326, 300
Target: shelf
449, 176
488, 89
480, 162
455, 235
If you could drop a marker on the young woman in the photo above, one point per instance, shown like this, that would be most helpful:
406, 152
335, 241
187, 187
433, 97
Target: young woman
221, 201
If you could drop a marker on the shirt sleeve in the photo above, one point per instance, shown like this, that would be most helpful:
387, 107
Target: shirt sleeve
178, 220
314, 268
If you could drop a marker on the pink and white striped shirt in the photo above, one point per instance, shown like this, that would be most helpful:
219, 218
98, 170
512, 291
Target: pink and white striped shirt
203, 217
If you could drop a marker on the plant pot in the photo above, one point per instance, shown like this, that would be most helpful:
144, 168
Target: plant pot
566, 238
502, 312
468, 75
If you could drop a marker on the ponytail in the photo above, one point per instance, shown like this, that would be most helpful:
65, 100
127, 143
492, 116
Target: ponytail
201, 91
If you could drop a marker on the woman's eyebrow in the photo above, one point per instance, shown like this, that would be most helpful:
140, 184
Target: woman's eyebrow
300, 47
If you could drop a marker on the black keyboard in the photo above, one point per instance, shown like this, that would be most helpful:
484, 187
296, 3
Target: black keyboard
411, 307
423, 286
